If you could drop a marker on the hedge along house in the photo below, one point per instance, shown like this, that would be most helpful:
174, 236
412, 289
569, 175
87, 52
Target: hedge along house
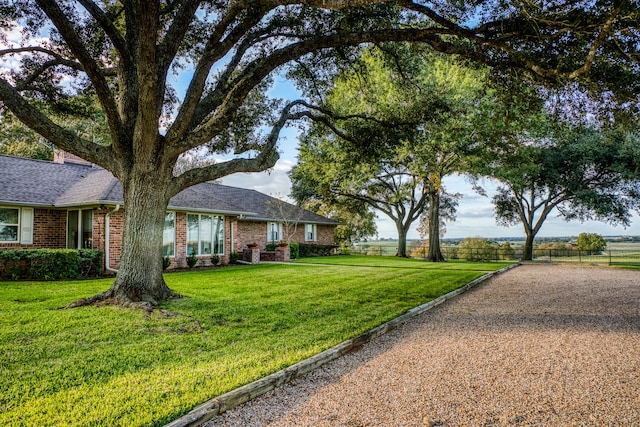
70, 203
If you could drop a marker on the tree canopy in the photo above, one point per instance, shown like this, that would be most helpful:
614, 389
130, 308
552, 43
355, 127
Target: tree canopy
128, 55
582, 173
393, 127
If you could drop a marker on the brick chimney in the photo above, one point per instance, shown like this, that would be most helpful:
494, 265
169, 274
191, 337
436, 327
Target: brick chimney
61, 156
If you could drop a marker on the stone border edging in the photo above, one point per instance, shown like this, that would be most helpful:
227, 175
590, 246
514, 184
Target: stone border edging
233, 398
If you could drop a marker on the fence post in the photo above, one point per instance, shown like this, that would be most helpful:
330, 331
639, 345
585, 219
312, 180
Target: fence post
610, 257
580, 256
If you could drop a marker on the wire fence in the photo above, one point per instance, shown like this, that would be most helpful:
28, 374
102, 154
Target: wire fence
607, 257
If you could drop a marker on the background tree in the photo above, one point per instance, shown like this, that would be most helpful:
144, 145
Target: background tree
20, 141
398, 123
581, 173
342, 181
127, 54
357, 222
592, 243
80, 115
286, 214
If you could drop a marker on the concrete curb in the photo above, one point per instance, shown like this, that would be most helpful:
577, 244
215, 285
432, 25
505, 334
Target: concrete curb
224, 402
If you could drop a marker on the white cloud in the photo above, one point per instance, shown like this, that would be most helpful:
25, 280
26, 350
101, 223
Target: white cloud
275, 182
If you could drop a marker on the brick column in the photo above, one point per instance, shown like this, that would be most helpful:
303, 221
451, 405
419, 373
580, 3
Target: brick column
252, 254
283, 253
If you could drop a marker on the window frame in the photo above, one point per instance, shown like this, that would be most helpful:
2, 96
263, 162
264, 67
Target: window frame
164, 229
16, 225
314, 232
216, 238
80, 224
270, 231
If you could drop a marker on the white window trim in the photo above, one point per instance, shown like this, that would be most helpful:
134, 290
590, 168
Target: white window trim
314, 231
25, 226
278, 230
174, 233
213, 237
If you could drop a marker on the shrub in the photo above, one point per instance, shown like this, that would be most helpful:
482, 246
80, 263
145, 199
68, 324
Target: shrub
557, 249
166, 262
306, 250
592, 243
418, 249
233, 257
50, 264
294, 250
477, 249
506, 251
215, 259
192, 260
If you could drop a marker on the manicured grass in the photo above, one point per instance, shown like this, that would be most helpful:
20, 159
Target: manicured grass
395, 262
112, 366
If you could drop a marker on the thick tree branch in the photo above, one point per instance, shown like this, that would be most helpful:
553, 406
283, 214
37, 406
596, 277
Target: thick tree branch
177, 31
107, 25
61, 137
214, 50
266, 158
91, 68
599, 40
255, 72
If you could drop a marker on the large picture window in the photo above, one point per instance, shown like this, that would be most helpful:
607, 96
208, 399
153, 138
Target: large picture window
169, 235
205, 234
80, 229
9, 224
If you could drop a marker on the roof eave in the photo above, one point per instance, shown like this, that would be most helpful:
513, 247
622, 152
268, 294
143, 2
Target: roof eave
302, 221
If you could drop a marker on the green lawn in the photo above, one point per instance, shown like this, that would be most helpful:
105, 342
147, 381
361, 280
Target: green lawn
395, 262
112, 366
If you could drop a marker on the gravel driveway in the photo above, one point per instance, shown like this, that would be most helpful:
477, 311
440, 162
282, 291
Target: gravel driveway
549, 345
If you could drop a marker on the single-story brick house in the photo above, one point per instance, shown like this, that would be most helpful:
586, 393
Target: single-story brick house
70, 203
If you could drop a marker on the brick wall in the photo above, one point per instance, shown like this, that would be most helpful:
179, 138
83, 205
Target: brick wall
256, 232
247, 232
49, 231
50, 225
116, 225
324, 235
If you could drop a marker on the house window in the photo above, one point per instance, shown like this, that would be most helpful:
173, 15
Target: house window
205, 234
169, 235
9, 224
80, 229
310, 232
274, 232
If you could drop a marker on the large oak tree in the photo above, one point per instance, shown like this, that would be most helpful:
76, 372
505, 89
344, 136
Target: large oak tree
581, 174
127, 54
398, 124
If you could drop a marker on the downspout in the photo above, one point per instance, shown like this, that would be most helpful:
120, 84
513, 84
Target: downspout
106, 239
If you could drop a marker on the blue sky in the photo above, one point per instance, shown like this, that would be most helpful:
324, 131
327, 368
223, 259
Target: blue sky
475, 212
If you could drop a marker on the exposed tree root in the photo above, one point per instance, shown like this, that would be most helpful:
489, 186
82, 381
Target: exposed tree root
146, 303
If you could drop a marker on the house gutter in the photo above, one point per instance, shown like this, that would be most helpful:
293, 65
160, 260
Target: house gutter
107, 224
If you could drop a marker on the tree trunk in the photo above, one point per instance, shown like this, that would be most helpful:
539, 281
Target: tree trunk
139, 281
527, 253
139, 277
402, 240
434, 255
